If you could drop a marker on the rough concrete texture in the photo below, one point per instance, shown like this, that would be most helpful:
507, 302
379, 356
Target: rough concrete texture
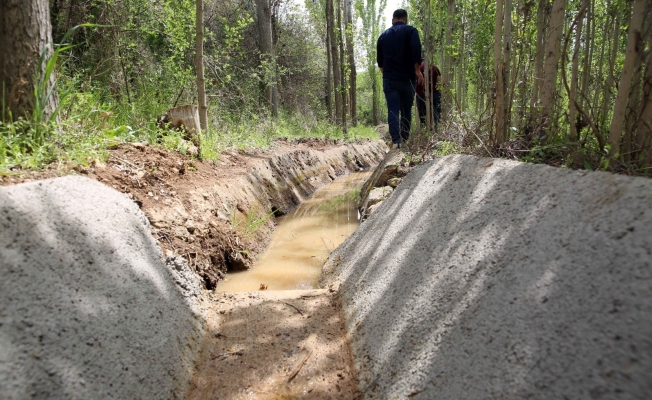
89, 308
492, 279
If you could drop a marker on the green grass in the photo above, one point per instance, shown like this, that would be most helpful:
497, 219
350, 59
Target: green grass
89, 127
339, 201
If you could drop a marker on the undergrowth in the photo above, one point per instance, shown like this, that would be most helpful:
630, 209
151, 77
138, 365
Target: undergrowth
89, 126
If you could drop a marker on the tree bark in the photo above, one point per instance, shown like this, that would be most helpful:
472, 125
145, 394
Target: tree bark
542, 15
199, 66
499, 104
612, 64
351, 60
25, 34
551, 63
329, 77
267, 53
631, 55
342, 82
507, 51
572, 110
644, 128
330, 25
447, 70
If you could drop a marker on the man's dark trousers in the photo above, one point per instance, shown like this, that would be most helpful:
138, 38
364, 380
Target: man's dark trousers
400, 97
435, 100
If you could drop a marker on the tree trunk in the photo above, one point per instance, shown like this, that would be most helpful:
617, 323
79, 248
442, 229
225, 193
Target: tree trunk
447, 70
612, 64
631, 54
644, 128
631, 114
507, 51
329, 77
267, 53
199, 66
330, 25
460, 67
542, 15
572, 110
600, 87
25, 34
351, 56
498, 72
342, 82
551, 63
589, 50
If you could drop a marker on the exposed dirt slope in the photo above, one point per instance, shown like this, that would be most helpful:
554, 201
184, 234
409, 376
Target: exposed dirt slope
218, 215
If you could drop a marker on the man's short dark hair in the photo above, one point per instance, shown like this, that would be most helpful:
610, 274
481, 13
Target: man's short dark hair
400, 14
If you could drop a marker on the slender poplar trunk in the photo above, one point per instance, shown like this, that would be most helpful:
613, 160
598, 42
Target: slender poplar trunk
351, 60
572, 110
329, 77
499, 75
330, 23
644, 128
631, 55
199, 67
542, 15
612, 64
551, 64
342, 82
264, 13
507, 51
447, 70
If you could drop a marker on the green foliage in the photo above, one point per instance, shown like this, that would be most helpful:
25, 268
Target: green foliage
445, 148
252, 223
340, 201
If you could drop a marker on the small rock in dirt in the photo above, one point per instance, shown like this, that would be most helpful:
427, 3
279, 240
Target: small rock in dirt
379, 194
402, 171
190, 226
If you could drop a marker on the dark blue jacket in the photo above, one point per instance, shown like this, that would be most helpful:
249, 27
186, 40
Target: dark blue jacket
398, 49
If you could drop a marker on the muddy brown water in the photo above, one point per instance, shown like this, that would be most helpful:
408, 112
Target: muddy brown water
303, 240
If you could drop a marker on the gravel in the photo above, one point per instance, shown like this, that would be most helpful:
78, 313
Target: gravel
482, 278
89, 307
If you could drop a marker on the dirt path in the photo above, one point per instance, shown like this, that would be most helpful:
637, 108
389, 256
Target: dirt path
275, 345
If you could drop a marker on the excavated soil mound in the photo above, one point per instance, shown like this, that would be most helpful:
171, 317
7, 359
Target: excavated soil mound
492, 279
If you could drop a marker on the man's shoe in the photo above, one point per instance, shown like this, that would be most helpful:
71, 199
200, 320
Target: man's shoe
396, 146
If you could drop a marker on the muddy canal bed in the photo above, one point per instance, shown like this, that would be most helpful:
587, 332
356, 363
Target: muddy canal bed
303, 239
282, 342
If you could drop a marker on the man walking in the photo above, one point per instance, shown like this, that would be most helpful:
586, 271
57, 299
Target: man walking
435, 95
399, 59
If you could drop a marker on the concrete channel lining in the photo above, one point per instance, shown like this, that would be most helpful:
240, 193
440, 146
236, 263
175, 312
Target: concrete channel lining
89, 307
483, 278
